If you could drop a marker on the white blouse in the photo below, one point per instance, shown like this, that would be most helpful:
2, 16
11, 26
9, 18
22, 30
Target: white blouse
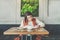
37, 21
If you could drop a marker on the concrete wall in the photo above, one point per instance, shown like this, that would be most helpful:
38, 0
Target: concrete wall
10, 11
54, 12
7, 11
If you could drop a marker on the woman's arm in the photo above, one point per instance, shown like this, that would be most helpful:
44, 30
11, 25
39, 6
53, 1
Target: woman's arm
40, 23
22, 25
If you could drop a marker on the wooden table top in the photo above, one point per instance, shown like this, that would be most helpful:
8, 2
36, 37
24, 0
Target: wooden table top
15, 31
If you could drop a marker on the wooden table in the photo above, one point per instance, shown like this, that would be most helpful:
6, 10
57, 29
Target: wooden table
16, 31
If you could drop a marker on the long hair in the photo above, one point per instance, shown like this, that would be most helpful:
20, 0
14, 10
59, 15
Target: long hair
27, 14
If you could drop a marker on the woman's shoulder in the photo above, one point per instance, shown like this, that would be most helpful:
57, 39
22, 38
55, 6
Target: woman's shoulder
34, 17
37, 19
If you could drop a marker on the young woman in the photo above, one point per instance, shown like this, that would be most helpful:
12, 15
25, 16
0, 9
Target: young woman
29, 20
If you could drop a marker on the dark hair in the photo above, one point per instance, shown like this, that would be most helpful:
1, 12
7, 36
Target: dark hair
27, 14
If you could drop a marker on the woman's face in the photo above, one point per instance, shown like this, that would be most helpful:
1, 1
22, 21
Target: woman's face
29, 17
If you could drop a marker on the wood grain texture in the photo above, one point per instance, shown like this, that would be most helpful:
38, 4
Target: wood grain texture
15, 31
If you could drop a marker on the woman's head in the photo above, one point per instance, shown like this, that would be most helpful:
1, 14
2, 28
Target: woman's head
28, 16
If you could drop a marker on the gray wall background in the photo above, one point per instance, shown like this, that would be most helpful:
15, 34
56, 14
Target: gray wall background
10, 11
54, 12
